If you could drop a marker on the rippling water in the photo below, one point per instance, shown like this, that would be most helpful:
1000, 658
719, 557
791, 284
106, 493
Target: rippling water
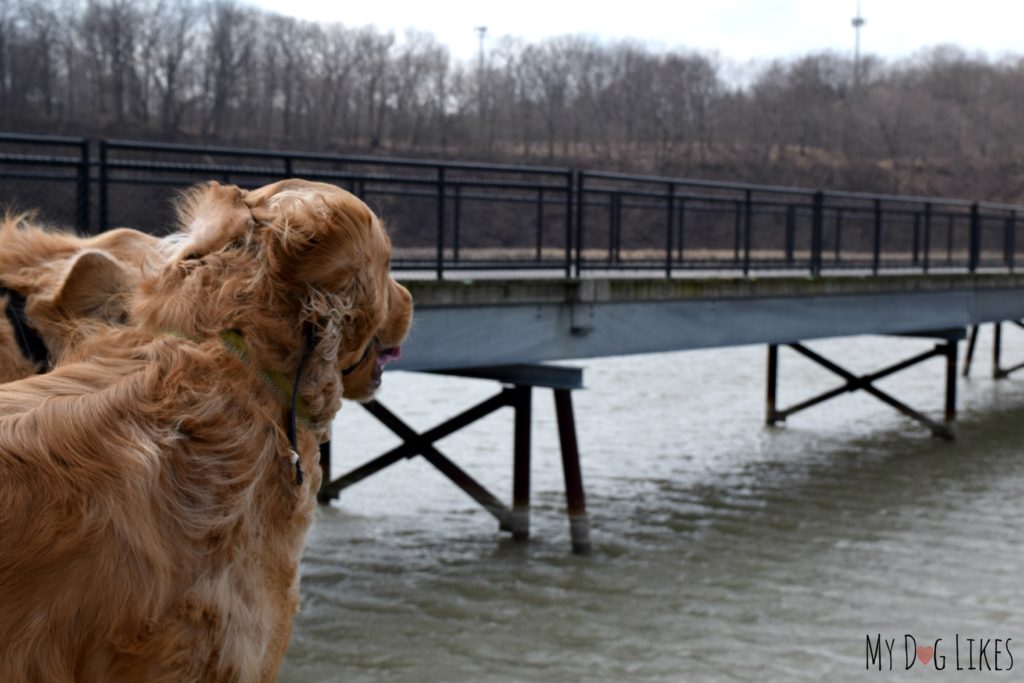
723, 550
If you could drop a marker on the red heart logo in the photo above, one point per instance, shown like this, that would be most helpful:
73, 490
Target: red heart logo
925, 654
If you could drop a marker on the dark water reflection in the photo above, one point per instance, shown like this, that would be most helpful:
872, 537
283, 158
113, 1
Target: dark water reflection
724, 551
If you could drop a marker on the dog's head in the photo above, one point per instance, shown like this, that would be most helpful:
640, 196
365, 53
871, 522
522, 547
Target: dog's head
58, 287
295, 254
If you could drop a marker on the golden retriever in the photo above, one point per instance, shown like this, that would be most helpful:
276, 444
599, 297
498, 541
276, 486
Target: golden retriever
52, 282
156, 487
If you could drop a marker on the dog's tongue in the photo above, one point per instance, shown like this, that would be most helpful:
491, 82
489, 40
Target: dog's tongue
389, 355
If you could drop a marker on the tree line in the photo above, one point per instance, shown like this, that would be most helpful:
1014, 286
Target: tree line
944, 122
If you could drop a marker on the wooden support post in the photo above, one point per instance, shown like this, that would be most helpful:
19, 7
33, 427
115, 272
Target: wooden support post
998, 371
770, 414
519, 521
579, 522
997, 345
950, 412
970, 349
322, 495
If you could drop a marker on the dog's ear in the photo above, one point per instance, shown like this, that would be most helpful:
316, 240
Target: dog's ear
91, 287
211, 216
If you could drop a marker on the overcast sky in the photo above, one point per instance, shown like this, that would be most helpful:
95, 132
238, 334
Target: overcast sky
736, 29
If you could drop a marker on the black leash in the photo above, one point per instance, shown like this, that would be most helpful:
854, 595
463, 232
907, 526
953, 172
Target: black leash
29, 341
293, 413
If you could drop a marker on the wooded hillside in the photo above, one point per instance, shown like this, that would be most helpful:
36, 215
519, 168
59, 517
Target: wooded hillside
944, 122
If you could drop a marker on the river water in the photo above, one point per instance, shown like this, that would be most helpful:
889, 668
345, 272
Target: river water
724, 550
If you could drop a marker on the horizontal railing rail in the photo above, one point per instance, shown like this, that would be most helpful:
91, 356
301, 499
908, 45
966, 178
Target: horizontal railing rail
470, 216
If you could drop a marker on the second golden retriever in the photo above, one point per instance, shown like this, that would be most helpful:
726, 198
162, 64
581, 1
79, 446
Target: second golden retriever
52, 283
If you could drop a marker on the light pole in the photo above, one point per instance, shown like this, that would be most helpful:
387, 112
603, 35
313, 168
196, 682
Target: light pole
481, 32
857, 22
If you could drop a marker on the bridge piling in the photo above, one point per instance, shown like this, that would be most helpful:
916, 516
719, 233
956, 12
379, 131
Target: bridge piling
947, 348
519, 521
518, 381
579, 521
772, 384
998, 371
969, 357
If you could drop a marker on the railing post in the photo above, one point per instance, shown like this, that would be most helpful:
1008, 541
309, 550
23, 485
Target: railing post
975, 248
737, 231
104, 188
289, 171
570, 182
440, 223
614, 228
916, 250
839, 234
540, 224
790, 233
611, 227
927, 235
580, 178
457, 226
817, 225
82, 189
950, 224
618, 229
876, 256
748, 218
671, 214
682, 229
1010, 240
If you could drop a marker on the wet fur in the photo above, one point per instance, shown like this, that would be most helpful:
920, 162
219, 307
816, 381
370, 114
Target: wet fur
152, 526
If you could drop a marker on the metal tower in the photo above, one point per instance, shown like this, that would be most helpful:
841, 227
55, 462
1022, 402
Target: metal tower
857, 22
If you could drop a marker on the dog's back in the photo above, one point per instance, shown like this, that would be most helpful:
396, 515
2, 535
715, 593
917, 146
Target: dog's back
129, 551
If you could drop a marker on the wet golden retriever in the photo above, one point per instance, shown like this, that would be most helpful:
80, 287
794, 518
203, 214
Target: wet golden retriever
52, 283
157, 485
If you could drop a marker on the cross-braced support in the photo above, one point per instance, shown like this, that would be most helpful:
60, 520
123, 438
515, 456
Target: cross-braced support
518, 396
998, 371
866, 383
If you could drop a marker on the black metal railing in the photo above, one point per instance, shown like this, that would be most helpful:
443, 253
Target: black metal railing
452, 216
718, 225
47, 172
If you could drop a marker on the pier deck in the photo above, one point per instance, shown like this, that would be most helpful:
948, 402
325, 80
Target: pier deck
468, 323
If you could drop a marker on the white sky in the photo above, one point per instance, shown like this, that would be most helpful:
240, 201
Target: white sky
736, 29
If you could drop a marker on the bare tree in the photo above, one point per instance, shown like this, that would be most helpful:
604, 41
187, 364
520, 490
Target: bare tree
942, 121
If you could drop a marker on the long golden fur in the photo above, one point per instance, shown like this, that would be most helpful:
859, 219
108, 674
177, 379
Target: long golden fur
67, 281
152, 524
